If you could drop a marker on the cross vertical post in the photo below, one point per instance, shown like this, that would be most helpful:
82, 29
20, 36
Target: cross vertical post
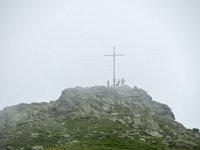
114, 58
114, 78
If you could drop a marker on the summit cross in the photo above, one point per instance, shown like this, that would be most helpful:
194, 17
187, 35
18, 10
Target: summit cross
114, 55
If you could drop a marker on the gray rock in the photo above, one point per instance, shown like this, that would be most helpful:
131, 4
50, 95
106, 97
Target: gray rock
66, 135
142, 139
75, 141
34, 135
10, 148
195, 130
184, 144
37, 148
95, 100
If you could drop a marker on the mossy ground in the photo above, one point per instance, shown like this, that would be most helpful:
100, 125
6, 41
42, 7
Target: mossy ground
90, 132
81, 133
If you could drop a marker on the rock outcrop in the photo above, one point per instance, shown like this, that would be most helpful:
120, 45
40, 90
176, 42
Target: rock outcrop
131, 112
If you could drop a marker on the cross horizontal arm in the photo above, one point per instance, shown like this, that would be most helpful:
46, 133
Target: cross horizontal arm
119, 54
108, 55
115, 55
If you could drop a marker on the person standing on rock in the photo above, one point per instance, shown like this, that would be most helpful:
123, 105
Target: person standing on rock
118, 83
114, 80
122, 81
108, 83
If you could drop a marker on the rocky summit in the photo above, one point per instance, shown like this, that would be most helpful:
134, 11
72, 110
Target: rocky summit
117, 118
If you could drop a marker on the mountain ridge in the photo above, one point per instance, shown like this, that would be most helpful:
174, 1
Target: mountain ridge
131, 109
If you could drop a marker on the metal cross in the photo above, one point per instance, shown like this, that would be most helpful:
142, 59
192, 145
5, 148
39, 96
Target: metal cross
114, 57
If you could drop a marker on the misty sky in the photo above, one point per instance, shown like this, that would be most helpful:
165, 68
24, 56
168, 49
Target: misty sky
49, 45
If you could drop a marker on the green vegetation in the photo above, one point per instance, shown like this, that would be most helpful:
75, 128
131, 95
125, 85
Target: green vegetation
79, 133
109, 144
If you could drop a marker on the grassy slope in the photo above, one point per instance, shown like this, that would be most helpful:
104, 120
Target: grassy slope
80, 133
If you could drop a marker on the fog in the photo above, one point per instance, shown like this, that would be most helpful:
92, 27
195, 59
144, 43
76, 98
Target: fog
49, 45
